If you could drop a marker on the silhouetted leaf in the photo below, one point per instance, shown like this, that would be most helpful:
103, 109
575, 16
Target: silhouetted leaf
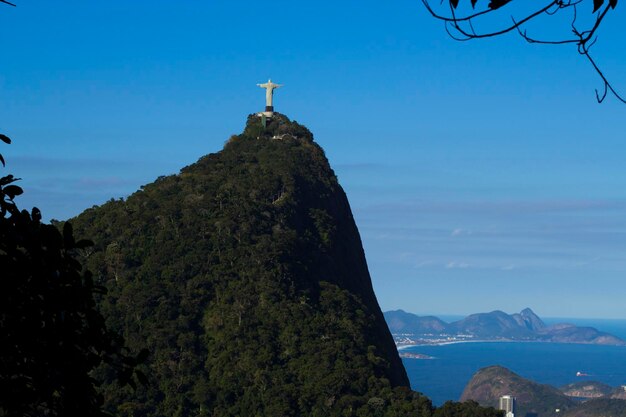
7, 180
124, 374
597, 4
2, 160
99, 289
142, 356
68, 235
474, 3
132, 384
496, 4
12, 191
83, 243
35, 214
454, 3
613, 3
88, 279
141, 377
4, 138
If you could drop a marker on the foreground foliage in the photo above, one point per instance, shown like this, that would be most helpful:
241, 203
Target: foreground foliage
51, 334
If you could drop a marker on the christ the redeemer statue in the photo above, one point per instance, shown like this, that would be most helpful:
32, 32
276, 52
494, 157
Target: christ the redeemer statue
269, 94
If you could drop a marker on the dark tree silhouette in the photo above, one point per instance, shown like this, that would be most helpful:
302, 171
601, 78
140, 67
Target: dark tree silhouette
581, 18
51, 334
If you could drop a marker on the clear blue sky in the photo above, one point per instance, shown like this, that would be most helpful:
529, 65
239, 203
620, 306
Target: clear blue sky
482, 175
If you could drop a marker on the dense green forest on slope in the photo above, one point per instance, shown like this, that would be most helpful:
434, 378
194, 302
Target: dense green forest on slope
245, 277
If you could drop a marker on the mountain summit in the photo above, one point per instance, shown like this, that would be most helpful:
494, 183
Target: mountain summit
245, 277
530, 320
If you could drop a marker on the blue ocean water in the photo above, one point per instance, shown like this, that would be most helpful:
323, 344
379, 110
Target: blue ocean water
444, 377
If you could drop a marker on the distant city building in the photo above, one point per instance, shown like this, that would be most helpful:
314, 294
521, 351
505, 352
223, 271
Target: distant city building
507, 403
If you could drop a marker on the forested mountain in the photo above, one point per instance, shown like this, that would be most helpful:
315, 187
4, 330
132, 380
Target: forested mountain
245, 277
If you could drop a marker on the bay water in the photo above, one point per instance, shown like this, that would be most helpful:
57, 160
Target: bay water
444, 377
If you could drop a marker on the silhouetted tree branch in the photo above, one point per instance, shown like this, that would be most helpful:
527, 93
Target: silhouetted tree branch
461, 27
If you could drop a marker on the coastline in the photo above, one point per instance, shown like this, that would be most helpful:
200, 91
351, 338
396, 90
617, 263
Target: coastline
454, 342
445, 377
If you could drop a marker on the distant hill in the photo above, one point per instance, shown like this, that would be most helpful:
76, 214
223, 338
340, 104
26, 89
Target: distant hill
490, 383
400, 321
496, 325
600, 407
568, 333
539, 400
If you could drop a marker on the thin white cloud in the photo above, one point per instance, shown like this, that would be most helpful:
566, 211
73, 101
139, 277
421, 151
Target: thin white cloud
423, 264
360, 166
66, 164
498, 206
460, 232
87, 182
457, 265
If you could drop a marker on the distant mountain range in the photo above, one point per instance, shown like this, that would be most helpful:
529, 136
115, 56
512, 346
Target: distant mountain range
409, 328
540, 400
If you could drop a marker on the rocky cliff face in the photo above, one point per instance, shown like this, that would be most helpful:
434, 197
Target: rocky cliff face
245, 277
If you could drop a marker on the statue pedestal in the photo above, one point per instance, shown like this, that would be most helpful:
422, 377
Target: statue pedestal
269, 112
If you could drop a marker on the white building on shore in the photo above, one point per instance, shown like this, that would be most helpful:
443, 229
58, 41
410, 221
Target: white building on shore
507, 404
